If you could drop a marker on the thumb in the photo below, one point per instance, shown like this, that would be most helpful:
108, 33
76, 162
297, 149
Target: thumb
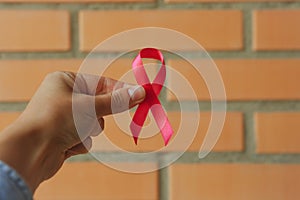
119, 100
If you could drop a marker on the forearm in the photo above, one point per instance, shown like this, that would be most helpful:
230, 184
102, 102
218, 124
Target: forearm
12, 185
23, 148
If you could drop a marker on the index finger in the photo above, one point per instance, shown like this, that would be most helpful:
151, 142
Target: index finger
95, 85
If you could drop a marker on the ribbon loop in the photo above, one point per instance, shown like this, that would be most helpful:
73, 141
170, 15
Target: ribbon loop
151, 101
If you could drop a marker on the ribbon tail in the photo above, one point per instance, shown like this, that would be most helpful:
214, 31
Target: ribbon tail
167, 131
138, 120
135, 140
162, 122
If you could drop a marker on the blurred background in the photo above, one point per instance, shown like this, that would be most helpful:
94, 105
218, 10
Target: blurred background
256, 46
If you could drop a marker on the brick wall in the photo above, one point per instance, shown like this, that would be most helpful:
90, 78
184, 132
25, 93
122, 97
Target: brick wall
256, 45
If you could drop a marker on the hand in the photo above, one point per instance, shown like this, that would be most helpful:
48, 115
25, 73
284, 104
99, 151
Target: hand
44, 136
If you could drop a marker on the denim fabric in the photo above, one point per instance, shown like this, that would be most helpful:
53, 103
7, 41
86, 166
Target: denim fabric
12, 186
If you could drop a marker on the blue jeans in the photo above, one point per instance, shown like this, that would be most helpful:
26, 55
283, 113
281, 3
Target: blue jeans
12, 186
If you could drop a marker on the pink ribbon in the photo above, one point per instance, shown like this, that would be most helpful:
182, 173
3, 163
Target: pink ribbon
151, 100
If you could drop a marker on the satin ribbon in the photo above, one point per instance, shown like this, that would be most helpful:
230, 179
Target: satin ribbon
151, 101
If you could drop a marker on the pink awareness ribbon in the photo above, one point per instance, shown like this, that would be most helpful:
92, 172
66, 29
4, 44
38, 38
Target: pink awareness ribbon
151, 101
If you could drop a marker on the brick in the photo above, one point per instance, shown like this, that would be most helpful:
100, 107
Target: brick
244, 79
276, 29
7, 118
19, 79
277, 132
90, 180
212, 1
72, 1
206, 27
117, 131
30, 30
235, 181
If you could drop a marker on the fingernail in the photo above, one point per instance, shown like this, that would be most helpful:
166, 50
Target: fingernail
126, 85
136, 93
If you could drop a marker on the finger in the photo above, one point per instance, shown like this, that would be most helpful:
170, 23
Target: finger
87, 83
119, 100
101, 123
95, 85
80, 148
107, 85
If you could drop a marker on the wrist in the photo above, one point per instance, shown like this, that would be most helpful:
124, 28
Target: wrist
23, 147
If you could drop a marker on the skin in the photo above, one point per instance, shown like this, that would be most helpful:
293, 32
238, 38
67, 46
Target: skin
44, 136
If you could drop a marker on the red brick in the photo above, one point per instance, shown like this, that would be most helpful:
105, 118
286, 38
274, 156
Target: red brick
235, 181
31, 30
95, 181
6, 118
206, 27
276, 29
244, 79
277, 132
232, 1
19, 79
118, 133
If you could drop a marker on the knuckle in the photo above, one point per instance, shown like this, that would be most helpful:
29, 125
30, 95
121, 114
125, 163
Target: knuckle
52, 75
119, 102
59, 74
117, 98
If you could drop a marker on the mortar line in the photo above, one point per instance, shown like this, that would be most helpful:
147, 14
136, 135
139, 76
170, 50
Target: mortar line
249, 134
12, 107
248, 30
75, 34
240, 157
164, 185
212, 157
189, 55
161, 4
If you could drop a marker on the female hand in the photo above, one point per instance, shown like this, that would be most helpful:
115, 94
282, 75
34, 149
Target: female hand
44, 136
